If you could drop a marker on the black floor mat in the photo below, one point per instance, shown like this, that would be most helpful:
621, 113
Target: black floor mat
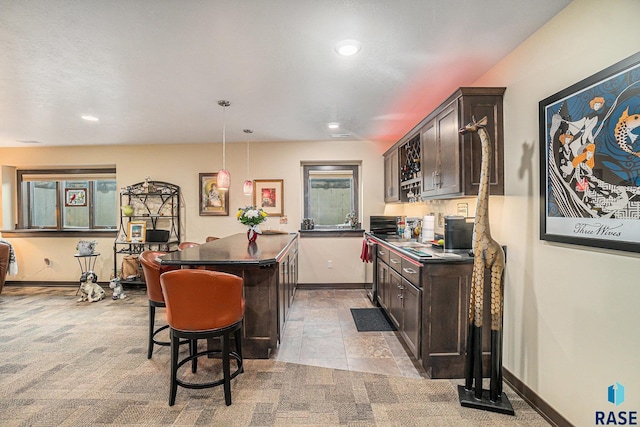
371, 320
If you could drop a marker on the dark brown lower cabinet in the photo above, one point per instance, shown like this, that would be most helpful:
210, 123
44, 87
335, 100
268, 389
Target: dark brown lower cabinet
395, 302
288, 272
445, 311
429, 304
411, 316
401, 300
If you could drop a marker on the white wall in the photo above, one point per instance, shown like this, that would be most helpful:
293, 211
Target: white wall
571, 312
181, 164
571, 325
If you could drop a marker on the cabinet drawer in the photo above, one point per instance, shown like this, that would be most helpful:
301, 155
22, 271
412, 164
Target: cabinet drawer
395, 261
383, 254
412, 272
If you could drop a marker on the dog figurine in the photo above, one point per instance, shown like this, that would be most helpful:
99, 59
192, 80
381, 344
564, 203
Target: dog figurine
118, 290
89, 288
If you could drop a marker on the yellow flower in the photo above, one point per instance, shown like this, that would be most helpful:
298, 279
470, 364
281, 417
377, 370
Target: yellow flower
239, 213
263, 213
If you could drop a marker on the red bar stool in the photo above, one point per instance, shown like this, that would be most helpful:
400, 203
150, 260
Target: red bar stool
152, 271
203, 304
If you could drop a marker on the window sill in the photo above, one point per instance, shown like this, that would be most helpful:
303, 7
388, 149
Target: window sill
332, 232
59, 233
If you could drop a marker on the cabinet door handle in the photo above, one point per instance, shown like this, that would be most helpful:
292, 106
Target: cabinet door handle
395, 261
383, 253
409, 270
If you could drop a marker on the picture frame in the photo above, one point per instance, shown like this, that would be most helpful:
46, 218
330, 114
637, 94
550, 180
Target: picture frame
590, 160
136, 231
75, 197
213, 201
268, 194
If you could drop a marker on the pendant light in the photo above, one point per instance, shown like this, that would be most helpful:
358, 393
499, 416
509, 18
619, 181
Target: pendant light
223, 178
247, 187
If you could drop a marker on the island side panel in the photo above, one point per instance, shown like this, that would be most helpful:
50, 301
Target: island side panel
260, 333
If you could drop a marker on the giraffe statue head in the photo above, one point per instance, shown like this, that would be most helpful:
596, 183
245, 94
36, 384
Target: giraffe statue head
474, 126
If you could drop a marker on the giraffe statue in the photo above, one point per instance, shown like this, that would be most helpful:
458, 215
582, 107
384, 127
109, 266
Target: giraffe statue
487, 253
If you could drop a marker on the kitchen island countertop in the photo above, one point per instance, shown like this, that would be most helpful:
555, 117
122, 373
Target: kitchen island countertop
233, 250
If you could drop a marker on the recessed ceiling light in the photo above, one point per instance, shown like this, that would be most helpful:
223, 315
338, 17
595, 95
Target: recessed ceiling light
333, 125
348, 47
90, 118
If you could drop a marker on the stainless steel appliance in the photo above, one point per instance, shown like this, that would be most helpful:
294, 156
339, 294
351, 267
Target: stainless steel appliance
458, 232
384, 225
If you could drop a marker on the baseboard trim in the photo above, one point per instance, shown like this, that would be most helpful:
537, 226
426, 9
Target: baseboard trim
332, 285
41, 283
552, 416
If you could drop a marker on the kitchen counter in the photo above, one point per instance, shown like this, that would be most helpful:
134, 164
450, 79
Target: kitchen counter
425, 292
422, 252
233, 250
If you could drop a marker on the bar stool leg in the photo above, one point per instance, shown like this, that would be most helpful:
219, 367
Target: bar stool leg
175, 343
152, 316
238, 339
226, 369
193, 350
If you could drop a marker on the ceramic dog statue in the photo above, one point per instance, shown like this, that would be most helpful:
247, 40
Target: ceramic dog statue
89, 288
118, 291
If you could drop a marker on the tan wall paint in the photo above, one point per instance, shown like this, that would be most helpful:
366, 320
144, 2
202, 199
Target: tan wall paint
571, 312
181, 164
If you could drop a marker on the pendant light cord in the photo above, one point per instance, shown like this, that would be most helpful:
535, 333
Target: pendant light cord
248, 132
224, 104
224, 137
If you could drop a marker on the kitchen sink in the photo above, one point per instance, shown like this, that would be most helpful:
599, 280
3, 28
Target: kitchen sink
410, 245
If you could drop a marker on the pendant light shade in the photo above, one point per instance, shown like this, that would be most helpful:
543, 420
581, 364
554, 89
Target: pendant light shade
223, 179
247, 187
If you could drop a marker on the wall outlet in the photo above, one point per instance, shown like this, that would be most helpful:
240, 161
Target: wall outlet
329, 264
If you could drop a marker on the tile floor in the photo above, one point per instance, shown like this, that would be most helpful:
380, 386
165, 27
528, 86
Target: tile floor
320, 331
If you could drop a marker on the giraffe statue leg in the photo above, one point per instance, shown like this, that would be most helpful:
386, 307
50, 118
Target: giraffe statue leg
497, 299
468, 365
473, 362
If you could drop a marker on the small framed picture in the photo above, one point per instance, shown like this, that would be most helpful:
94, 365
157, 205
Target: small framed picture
75, 197
213, 201
268, 194
137, 231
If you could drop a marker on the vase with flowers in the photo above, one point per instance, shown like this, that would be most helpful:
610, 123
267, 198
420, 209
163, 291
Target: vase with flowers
252, 217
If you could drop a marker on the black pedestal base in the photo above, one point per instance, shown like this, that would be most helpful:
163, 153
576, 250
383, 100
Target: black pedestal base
468, 399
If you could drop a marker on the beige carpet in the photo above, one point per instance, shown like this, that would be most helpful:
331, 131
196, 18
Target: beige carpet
66, 363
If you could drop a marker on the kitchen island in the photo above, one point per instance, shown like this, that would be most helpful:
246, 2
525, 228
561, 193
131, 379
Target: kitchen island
425, 292
269, 270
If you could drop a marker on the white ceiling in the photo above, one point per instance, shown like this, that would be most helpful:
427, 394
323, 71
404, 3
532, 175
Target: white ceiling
153, 70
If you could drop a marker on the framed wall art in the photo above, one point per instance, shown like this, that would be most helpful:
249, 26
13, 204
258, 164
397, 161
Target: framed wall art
136, 231
590, 160
213, 201
268, 194
75, 197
